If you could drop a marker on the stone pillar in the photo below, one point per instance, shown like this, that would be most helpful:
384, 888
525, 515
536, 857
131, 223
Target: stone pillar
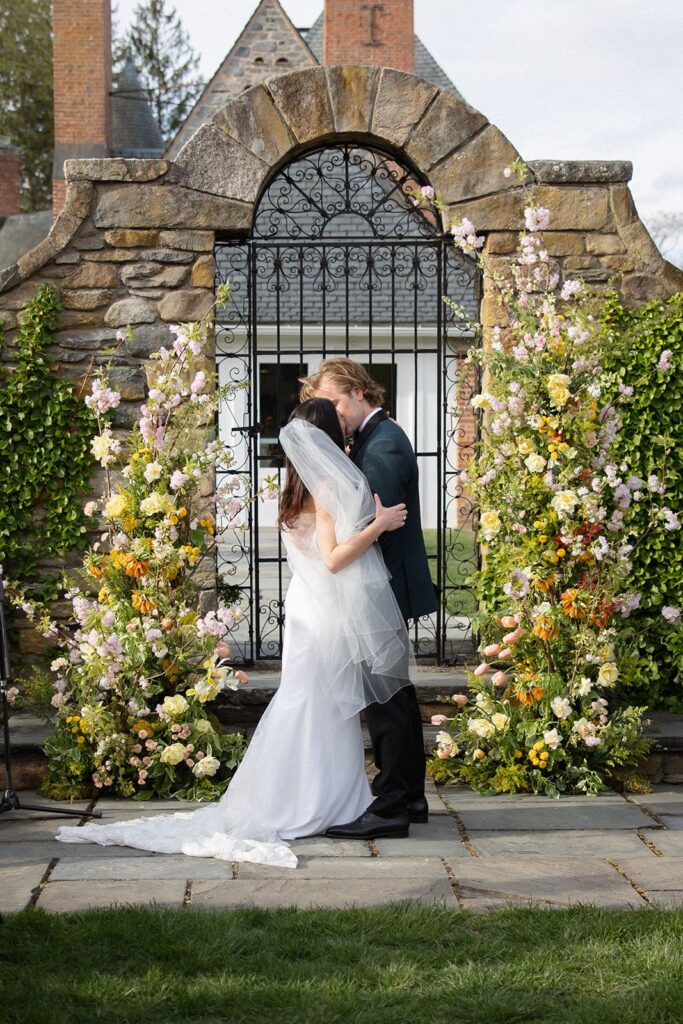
82, 85
360, 32
10, 178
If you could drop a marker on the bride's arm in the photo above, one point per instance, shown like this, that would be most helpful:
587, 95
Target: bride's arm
337, 556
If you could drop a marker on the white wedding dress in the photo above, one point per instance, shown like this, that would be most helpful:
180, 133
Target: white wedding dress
345, 644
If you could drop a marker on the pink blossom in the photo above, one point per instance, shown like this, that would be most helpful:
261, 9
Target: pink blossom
672, 615
491, 649
505, 654
427, 192
665, 360
569, 289
460, 699
499, 678
513, 637
482, 669
536, 219
439, 719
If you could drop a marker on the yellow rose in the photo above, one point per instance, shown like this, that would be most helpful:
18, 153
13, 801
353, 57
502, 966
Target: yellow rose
156, 503
175, 706
557, 389
525, 446
490, 523
174, 753
608, 674
499, 720
115, 507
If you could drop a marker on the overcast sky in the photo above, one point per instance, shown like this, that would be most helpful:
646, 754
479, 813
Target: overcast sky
563, 79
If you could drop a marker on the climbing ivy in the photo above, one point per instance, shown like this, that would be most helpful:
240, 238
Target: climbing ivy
45, 461
651, 440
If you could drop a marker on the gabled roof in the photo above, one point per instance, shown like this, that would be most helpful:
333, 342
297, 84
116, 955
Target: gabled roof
134, 130
268, 45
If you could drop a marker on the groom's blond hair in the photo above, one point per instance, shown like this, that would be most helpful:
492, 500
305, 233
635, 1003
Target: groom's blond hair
347, 375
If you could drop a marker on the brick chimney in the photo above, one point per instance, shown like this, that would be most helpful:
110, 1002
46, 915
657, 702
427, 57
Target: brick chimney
361, 32
10, 178
82, 85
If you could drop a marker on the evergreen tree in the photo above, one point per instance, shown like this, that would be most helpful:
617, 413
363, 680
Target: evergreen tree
160, 49
26, 109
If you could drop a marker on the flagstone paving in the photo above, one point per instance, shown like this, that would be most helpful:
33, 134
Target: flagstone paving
475, 853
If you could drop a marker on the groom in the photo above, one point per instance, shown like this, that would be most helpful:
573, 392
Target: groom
382, 451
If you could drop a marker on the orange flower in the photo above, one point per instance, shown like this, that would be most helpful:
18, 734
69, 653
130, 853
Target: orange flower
544, 628
571, 603
602, 614
95, 572
546, 584
530, 696
136, 567
141, 603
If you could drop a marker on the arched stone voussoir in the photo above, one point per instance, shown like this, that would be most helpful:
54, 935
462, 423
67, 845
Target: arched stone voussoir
353, 89
445, 126
402, 100
214, 162
254, 120
476, 169
303, 101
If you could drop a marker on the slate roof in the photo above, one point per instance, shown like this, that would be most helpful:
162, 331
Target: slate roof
134, 130
20, 232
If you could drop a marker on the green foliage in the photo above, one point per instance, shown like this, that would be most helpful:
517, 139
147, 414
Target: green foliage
45, 434
160, 49
652, 422
26, 94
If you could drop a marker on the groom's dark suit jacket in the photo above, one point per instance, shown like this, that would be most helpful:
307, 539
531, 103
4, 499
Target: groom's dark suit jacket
384, 454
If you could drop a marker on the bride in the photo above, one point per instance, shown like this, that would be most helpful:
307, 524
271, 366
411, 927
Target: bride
345, 646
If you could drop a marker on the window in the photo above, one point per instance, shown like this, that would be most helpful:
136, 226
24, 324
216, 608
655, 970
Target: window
278, 396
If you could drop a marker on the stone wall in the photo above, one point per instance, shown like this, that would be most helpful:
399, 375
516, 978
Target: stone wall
134, 242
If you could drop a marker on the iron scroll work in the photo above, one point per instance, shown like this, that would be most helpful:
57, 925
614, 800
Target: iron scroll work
341, 261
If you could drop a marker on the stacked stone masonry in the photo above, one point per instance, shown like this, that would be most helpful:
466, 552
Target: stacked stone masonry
134, 242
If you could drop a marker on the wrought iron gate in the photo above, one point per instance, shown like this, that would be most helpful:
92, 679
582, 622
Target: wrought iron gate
341, 261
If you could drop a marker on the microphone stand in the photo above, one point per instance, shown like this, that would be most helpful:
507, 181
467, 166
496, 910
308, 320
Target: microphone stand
10, 798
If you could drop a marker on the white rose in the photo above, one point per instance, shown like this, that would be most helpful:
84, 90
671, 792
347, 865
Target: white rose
608, 674
175, 706
561, 707
174, 753
482, 401
552, 739
90, 508
585, 686
535, 463
207, 766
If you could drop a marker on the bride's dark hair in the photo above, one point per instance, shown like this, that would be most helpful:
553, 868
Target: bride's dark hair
322, 414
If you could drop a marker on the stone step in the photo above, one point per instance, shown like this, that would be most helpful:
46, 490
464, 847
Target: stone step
245, 706
28, 734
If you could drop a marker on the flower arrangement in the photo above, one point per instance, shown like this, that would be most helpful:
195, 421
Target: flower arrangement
555, 520
134, 679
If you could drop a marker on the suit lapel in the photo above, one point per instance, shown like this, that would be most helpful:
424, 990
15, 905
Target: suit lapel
365, 433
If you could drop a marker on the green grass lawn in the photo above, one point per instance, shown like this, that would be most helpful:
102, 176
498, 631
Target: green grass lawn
460, 563
395, 965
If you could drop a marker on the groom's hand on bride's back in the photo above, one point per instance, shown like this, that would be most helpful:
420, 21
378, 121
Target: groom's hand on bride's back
390, 518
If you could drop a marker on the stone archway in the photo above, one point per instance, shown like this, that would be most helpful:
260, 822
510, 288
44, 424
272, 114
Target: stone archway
134, 243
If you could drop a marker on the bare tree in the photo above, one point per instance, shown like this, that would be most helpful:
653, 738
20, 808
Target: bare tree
667, 232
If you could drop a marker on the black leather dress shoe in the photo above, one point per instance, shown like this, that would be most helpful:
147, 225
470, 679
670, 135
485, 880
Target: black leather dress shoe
371, 826
418, 811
